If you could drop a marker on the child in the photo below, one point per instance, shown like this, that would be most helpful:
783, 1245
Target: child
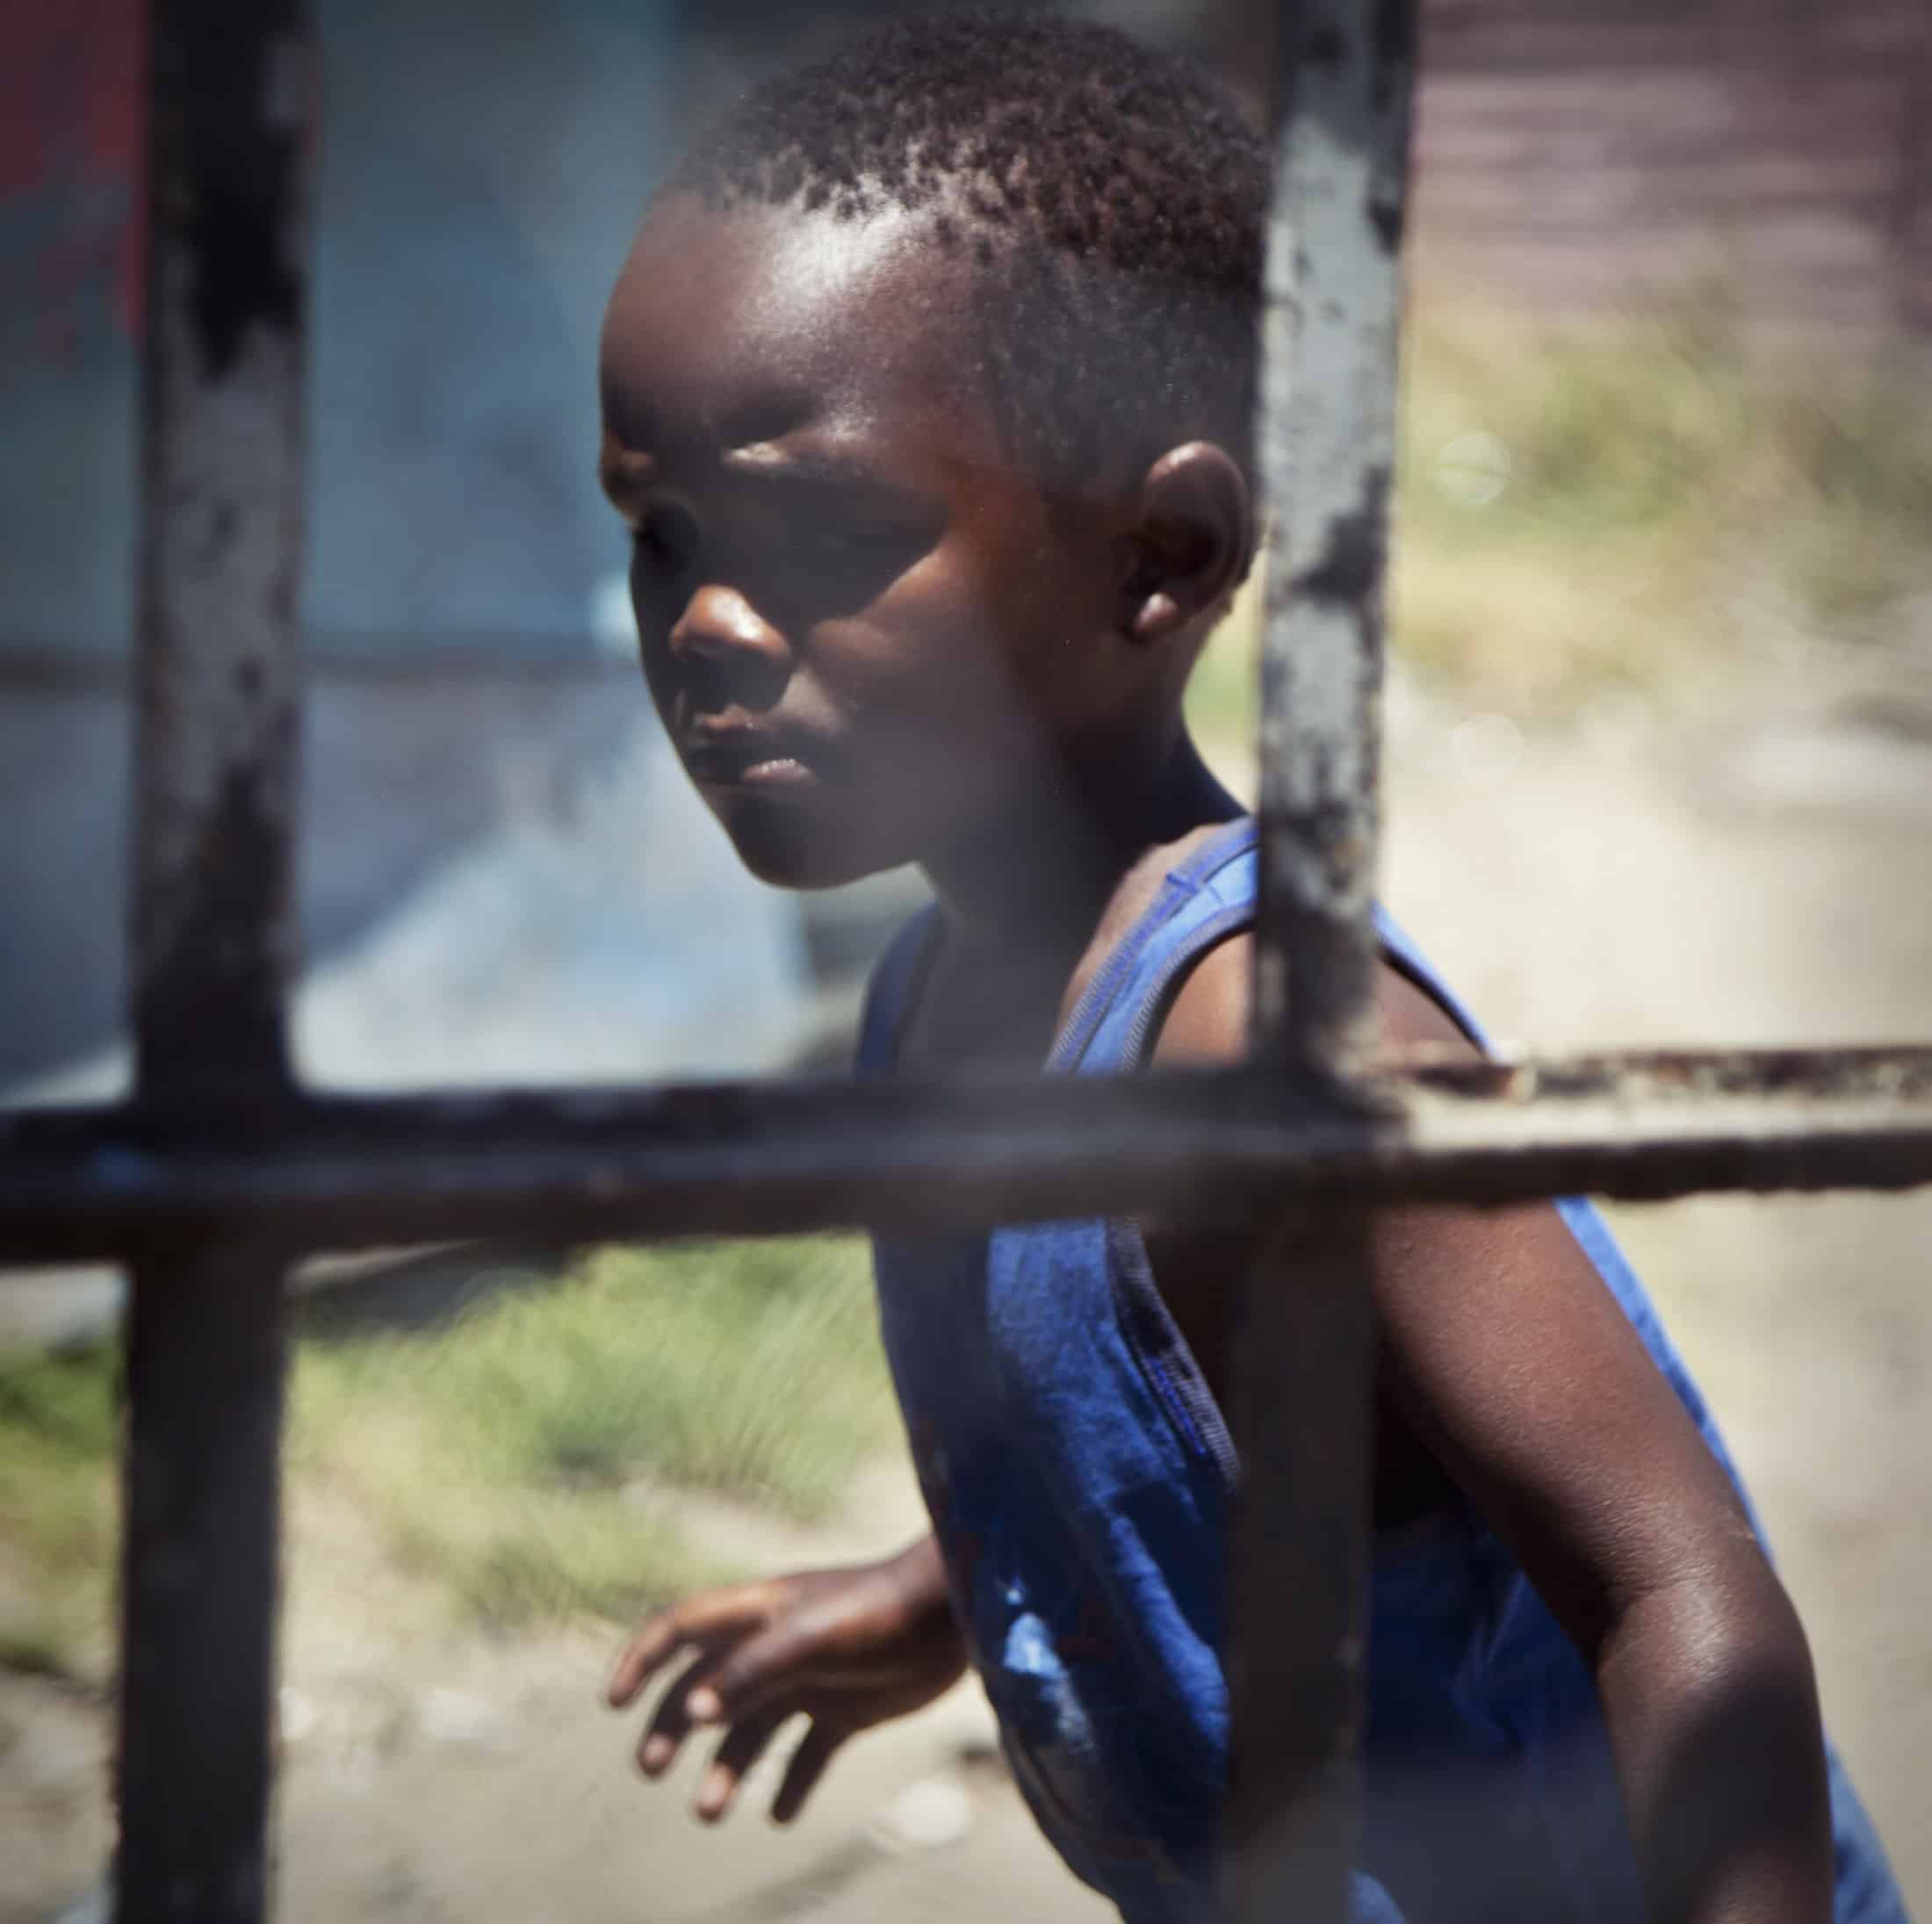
926, 393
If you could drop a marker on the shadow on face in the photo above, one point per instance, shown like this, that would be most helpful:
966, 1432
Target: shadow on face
869, 630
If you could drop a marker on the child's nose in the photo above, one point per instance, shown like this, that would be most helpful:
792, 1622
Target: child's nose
722, 639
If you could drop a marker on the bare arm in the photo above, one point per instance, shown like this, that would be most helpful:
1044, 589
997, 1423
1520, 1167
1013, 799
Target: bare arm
1512, 1363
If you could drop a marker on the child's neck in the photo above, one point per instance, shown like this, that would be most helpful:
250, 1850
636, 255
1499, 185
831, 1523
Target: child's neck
1028, 898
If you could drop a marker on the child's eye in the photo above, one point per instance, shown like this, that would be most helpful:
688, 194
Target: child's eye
846, 542
666, 540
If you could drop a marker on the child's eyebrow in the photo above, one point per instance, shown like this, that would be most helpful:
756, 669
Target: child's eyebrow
768, 460
625, 474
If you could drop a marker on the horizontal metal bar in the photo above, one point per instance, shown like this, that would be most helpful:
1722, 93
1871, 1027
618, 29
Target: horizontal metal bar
751, 1158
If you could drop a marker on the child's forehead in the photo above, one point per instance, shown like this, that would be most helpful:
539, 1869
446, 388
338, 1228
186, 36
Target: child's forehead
724, 314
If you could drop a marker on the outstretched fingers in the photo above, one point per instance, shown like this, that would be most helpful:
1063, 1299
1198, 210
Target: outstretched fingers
745, 1743
807, 1766
671, 1721
706, 1621
761, 1670
754, 1686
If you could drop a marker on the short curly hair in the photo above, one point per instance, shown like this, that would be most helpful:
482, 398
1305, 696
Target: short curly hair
1112, 195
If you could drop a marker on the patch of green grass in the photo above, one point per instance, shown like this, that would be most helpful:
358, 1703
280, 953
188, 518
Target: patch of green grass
1583, 508
1665, 483
519, 1456
57, 1506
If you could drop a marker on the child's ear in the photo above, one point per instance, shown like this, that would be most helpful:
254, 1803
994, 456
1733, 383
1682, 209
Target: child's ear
1191, 540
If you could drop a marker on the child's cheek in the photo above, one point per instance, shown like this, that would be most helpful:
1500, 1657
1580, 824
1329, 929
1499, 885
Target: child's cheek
954, 721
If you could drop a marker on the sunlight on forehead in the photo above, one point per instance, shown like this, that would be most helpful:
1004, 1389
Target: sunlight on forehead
747, 325
822, 263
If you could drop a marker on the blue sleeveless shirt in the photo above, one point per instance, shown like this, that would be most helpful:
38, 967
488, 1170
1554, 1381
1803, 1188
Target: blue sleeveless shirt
1078, 1473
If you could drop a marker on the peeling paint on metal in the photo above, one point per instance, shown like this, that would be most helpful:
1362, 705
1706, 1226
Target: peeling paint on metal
212, 944
335, 1172
1326, 452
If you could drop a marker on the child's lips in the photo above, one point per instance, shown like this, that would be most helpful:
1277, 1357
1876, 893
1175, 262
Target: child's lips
748, 760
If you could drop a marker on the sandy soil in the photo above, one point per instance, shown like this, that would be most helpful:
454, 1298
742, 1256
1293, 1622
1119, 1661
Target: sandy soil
1759, 877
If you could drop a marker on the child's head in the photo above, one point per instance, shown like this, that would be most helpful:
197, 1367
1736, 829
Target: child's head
927, 391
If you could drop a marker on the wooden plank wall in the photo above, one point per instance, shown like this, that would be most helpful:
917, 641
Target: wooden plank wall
1608, 153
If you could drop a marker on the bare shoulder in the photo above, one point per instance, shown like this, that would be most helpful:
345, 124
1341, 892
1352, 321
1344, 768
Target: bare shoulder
1503, 1362
1208, 1019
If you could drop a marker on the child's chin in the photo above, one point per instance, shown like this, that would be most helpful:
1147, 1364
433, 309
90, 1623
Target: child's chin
785, 855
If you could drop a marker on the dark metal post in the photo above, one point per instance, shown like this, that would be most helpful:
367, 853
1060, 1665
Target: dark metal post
1302, 1361
228, 139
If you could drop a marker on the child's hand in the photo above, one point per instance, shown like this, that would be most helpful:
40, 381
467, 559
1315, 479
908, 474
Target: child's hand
848, 1649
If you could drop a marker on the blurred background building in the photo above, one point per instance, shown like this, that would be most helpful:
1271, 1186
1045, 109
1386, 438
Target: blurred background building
1596, 153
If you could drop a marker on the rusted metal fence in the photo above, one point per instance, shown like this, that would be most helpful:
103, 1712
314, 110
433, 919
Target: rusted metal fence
220, 1172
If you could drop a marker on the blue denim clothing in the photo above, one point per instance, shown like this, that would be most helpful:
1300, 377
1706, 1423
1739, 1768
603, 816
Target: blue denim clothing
1078, 1473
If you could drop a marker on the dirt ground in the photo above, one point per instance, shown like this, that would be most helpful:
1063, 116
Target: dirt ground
1758, 876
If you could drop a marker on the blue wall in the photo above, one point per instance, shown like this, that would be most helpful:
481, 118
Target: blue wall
483, 165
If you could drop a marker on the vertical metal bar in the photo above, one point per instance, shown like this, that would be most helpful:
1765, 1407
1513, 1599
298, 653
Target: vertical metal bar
1345, 72
228, 138
1302, 1368
204, 1385
220, 536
